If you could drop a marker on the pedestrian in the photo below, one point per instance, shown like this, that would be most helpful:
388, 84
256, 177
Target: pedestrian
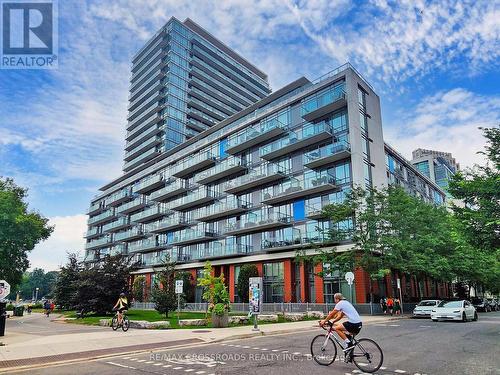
383, 305
397, 306
29, 308
52, 306
390, 305
46, 307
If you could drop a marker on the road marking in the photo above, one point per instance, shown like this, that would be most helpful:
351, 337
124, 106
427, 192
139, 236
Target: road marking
256, 348
189, 370
383, 368
246, 347
393, 325
178, 368
157, 364
296, 353
200, 372
141, 360
167, 366
425, 326
400, 371
125, 357
119, 365
264, 349
148, 362
275, 350
133, 359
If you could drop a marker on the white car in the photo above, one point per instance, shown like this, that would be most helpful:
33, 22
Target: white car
454, 310
424, 308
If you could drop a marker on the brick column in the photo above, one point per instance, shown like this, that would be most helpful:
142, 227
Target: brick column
148, 287
260, 268
287, 280
231, 283
388, 285
303, 282
360, 285
318, 284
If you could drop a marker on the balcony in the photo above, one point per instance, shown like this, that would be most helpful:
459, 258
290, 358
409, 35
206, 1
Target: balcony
147, 244
225, 168
107, 215
180, 255
149, 214
130, 235
326, 101
119, 249
194, 163
295, 188
101, 242
296, 140
119, 197
195, 198
231, 206
136, 204
294, 240
169, 223
175, 187
192, 236
314, 212
327, 155
149, 184
96, 208
222, 251
254, 222
135, 152
262, 175
92, 232
116, 225
254, 135
144, 157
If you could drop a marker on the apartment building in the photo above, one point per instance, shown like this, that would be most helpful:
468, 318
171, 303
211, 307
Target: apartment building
251, 186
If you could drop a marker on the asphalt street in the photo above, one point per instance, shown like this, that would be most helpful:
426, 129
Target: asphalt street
410, 347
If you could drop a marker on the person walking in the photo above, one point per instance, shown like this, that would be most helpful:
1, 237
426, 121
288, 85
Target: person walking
383, 305
390, 305
397, 306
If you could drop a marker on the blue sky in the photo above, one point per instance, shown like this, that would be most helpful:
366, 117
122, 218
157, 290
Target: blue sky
435, 66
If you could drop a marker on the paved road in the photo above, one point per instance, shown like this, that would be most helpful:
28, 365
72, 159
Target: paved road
410, 347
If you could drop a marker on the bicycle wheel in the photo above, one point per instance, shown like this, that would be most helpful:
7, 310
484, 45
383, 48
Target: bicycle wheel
125, 324
323, 350
114, 323
367, 355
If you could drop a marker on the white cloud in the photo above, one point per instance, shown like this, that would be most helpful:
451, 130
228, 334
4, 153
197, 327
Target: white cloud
67, 237
447, 121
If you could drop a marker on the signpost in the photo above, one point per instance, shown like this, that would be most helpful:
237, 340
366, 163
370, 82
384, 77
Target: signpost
398, 280
4, 292
179, 284
4, 289
255, 298
349, 277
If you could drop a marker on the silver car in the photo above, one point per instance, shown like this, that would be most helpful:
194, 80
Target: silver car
424, 308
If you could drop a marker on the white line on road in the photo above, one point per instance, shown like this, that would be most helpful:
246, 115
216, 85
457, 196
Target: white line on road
141, 360
178, 368
157, 364
393, 325
425, 326
189, 370
400, 371
199, 372
119, 365
167, 366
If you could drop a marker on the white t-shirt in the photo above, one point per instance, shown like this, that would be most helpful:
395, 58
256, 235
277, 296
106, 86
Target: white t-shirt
348, 310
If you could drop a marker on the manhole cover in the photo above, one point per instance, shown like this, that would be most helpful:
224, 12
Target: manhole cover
199, 331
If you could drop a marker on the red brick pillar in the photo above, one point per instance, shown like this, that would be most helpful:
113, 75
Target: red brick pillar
303, 282
148, 287
260, 269
318, 284
287, 281
360, 285
231, 283
388, 285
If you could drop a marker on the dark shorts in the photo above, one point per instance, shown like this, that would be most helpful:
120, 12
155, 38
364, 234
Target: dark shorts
354, 328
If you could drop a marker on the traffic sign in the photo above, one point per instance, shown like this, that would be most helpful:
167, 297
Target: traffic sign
4, 289
255, 294
179, 286
398, 280
349, 277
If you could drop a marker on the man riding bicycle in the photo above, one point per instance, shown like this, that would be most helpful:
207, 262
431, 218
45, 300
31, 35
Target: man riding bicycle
344, 308
120, 307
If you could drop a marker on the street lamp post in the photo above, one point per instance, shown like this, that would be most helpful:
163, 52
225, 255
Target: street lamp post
36, 294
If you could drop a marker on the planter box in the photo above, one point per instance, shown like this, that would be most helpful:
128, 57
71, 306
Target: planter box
220, 321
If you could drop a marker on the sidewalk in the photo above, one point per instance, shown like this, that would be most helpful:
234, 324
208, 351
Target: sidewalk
21, 349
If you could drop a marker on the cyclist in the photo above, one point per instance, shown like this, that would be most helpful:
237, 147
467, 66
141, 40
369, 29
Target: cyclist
120, 307
344, 308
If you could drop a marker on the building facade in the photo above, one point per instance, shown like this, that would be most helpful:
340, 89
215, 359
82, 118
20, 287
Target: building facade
251, 187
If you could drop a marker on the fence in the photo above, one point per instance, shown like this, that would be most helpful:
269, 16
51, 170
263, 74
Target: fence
282, 307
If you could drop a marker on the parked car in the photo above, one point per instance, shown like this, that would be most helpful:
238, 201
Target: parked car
461, 310
424, 308
481, 304
494, 304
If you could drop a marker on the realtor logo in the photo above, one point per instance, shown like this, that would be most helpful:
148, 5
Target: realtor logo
29, 34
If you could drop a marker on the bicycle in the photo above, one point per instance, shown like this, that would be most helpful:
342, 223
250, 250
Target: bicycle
365, 353
125, 322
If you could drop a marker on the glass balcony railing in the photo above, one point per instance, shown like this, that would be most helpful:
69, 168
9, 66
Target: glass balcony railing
144, 157
221, 250
98, 243
150, 243
259, 221
92, 232
327, 154
172, 222
148, 143
122, 222
264, 174
254, 135
219, 115
191, 236
308, 135
119, 197
180, 255
107, 215
194, 163
95, 208
194, 198
149, 214
224, 169
148, 184
291, 238
118, 249
314, 211
133, 233
227, 207
298, 187
173, 188
321, 100
134, 205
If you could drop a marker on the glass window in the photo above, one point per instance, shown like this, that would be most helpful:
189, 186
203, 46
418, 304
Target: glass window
299, 210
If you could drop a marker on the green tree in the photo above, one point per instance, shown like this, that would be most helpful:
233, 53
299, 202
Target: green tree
214, 291
20, 231
138, 288
246, 272
66, 286
163, 294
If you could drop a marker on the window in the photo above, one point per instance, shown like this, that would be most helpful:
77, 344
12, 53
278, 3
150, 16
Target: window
299, 210
222, 148
273, 282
